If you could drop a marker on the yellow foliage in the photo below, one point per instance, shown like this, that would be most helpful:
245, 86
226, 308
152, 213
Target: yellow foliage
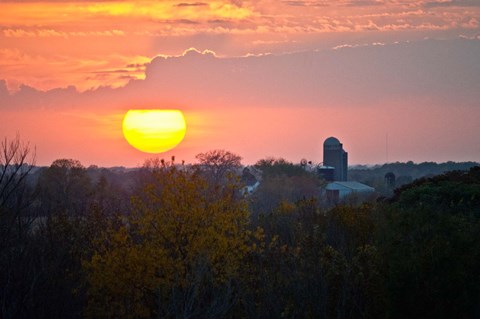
180, 229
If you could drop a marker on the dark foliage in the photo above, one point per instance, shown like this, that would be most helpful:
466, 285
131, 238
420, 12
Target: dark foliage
431, 247
416, 255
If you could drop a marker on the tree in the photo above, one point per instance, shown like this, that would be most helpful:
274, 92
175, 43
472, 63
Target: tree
17, 263
217, 164
282, 181
178, 255
272, 166
318, 264
431, 245
64, 187
16, 162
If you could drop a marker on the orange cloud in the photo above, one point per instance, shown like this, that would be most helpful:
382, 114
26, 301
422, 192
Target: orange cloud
71, 12
88, 43
23, 33
85, 73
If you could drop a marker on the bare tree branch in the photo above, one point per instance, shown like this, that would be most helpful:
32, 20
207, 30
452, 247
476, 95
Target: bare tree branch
16, 162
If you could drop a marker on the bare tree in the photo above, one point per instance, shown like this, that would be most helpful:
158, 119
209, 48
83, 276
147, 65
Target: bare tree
16, 161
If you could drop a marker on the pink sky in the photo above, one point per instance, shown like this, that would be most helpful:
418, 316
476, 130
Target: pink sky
266, 78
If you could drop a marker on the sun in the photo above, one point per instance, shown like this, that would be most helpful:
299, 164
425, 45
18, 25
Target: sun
154, 131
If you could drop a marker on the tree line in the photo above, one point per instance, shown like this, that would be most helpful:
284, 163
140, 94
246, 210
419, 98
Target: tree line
170, 240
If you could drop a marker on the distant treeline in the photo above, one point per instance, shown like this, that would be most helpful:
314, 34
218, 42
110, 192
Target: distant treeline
170, 241
374, 176
404, 172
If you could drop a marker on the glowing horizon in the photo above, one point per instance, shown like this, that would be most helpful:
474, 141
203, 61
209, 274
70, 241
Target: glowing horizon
259, 78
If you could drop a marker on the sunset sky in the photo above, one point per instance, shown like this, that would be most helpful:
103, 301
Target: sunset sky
258, 78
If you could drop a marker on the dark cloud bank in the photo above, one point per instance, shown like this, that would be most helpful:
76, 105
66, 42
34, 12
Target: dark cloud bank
447, 71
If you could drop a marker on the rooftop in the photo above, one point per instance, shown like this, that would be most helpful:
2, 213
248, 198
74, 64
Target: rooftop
355, 186
332, 141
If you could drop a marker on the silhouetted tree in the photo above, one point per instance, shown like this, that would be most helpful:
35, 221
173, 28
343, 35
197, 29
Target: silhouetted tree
64, 187
217, 164
431, 245
16, 261
16, 162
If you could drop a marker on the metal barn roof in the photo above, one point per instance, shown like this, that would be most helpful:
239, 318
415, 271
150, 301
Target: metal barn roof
353, 186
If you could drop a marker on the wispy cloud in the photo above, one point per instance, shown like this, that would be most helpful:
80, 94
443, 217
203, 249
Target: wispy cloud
47, 32
71, 12
43, 33
299, 3
192, 4
45, 72
452, 3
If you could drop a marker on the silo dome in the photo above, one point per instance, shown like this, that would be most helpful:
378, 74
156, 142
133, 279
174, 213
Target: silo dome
331, 141
335, 156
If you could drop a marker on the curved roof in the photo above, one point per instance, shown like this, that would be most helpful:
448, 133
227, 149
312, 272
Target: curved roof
353, 186
331, 141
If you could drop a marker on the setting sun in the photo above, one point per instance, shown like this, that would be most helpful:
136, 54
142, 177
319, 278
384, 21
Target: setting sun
154, 131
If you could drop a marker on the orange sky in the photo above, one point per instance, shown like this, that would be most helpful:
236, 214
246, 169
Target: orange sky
266, 78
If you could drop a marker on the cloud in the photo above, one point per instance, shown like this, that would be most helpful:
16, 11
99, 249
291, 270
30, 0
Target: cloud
452, 3
85, 14
348, 75
172, 19
364, 3
47, 33
328, 3
294, 3
470, 37
46, 72
4, 92
192, 4
58, 1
